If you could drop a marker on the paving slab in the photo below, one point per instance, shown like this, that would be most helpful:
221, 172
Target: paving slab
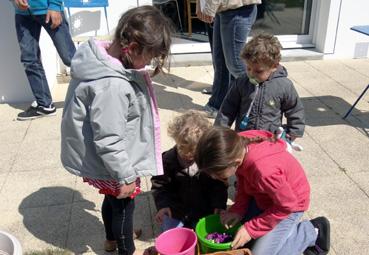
85, 231
43, 154
341, 142
38, 228
313, 155
29, 189
8, 152
343, 202
44, 129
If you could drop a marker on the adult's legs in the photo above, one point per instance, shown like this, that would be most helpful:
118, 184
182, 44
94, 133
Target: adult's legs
221, 74
290, 236
118, 222
28, 34
62, 40
235, 27
230, 31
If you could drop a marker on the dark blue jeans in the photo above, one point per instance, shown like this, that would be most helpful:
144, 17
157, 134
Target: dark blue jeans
117, 215
230, 31
28, 33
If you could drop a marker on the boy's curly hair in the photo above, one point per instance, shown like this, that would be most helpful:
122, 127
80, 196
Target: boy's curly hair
263, 49
187, 128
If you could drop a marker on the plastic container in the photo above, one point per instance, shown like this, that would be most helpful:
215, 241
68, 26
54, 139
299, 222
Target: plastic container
211, 224
176, 241
9, 244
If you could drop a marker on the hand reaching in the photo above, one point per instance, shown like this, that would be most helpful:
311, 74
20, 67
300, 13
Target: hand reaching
219, 211
159, 217
241, 238
229, 219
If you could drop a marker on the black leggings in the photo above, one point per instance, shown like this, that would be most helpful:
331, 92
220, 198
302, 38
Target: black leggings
117, 215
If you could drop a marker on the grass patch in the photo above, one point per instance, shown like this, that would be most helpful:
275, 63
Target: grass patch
49, 252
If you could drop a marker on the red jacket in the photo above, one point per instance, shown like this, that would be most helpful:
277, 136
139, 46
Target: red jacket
275, 179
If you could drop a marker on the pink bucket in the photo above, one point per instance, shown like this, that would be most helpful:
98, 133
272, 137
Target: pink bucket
176, 241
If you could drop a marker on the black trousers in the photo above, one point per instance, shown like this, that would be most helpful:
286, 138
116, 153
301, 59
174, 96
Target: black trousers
117, 215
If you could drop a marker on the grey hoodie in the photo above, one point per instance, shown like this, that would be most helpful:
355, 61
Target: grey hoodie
107, 129
277, 97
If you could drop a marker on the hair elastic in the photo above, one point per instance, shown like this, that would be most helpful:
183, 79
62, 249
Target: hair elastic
125, 50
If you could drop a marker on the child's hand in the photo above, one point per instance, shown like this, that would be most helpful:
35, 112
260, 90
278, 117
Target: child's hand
219, 211
126, 190
21, 4
159, 217
241, 238
229, 219
291, 137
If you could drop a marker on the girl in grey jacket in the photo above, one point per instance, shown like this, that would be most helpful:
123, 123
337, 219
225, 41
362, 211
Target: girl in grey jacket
260, 99
110, 125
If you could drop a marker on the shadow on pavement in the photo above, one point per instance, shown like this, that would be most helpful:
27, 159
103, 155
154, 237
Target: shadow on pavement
51, 216
175, 81
329, 110
174, 101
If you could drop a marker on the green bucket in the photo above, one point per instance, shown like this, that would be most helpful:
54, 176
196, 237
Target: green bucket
211, 224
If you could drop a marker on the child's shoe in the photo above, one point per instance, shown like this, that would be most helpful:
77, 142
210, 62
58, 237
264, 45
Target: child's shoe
137, 233
210, 111
322, 243
150, 251
110, 246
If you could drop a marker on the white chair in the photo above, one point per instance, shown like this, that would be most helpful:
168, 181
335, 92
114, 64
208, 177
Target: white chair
87, 4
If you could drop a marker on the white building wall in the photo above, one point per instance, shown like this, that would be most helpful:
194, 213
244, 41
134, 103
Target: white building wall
332, 33
349, 43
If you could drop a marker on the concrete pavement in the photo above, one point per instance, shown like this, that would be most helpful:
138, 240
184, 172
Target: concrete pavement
46, 207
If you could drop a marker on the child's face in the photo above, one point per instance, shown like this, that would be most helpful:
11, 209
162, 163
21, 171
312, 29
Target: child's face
186, 152
139, 57
231, 170
140, 61
259, 72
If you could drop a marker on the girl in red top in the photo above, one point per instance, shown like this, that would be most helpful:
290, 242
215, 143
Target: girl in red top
272, 192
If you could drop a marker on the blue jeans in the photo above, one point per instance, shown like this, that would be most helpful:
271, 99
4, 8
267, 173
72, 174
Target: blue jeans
169, 223
28, 33
290, 236
230, 31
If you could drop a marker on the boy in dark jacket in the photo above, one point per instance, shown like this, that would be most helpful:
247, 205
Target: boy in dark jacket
260, 99
182, 195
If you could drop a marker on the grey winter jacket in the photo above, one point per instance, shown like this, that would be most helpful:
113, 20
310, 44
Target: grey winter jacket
107, 126
277, 97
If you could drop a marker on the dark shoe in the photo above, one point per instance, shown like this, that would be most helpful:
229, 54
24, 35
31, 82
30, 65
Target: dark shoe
323, 240
34, 112
210, 111
30, 113
110, 246
206, 91
46, 111
150, 251
137, 233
